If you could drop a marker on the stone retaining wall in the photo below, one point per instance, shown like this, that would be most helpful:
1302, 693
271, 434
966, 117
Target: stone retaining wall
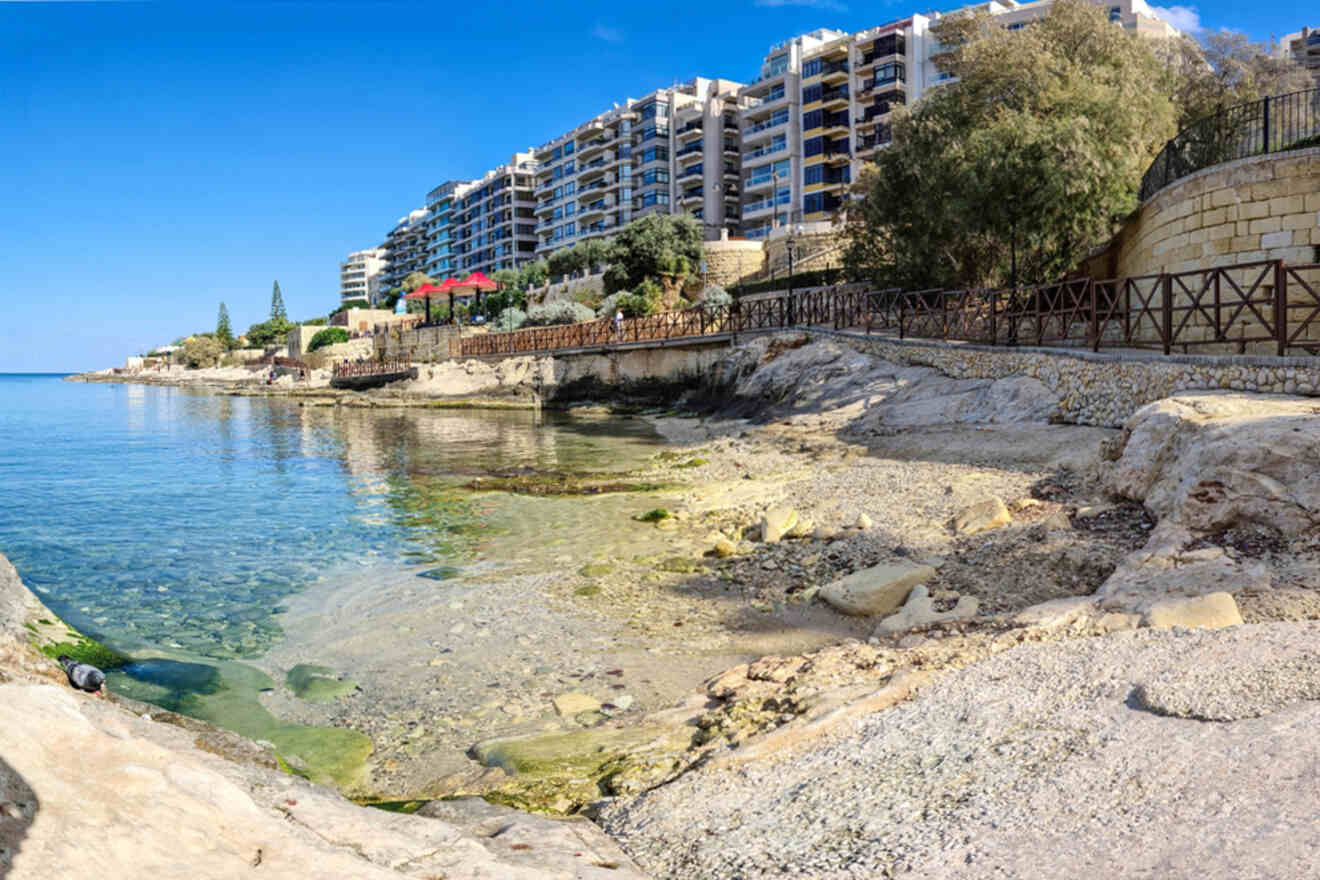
730, 261
1099, 389
329, 355
424, 344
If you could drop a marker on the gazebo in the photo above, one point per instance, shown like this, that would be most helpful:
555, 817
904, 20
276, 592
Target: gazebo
474, 283
424, 292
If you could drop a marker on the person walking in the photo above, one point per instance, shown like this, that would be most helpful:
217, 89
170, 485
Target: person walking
618, 325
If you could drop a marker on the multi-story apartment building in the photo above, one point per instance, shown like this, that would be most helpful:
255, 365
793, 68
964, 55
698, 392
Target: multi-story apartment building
1304, 48
673, 150
359, 275
492, 222
405, 249
440, 262
820, 109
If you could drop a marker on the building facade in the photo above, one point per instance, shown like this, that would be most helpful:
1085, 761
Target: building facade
440, 262
1304, 48
359, 275
672, 151
405, 249
493, 219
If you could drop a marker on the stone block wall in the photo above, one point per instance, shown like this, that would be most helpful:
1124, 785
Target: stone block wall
1099, 389
731, 261
419, 345
323, 358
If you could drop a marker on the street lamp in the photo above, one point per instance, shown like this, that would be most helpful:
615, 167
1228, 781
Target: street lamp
793, 231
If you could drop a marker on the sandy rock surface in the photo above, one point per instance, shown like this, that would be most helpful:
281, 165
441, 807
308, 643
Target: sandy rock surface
1038, 763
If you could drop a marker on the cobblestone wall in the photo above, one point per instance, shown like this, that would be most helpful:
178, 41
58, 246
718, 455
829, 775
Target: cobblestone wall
1100, 389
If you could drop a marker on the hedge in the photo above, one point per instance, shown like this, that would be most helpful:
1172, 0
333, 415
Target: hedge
328, 336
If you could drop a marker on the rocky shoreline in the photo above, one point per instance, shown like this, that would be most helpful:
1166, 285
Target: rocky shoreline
1019, 641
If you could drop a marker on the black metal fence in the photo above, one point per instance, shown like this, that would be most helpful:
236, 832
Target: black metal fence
1269, 125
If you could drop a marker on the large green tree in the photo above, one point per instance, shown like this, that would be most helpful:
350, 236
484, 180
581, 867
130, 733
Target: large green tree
277, 304
1023, 163
223, 331
271, 332
657, 246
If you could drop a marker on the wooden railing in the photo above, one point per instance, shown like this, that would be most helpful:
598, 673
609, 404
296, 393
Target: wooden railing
1263, 302
351, 369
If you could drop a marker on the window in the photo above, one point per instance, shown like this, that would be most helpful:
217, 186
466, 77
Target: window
570, 229
655, 175
778, 64
570, 187
811, 94
812, 119
887, 73
811, 68
655, 154
569, 148
813, 146
570, 209
558, 153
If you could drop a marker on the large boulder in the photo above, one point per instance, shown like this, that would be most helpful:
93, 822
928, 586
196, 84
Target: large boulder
1212, 460
879, 590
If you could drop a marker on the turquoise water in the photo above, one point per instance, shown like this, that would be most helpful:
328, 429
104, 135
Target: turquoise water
159, 517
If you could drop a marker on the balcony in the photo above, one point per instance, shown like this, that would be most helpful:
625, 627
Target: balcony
694, 171
779, 118
836, 71
833, 97
694, 195
596, 207
730, 123
690, 149
750, 183
591, 147
690, 130
731, 170
731, 147
777, 147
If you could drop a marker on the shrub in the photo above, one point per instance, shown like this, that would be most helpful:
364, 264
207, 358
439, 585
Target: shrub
352, 304
559, 313
635, 306
328, 336
202, 351
510, 319
714, 297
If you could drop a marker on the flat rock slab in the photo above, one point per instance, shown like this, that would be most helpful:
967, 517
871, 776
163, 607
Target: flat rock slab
982, 517
574, 702
919, 610
878, 590
777, 522
1212, 611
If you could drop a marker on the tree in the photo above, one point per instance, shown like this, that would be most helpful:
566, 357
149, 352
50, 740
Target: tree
656, 246
272, 332
414, 280
1015, 170
202, 351
1225, 70
328, 336
391, 299
277, 304
533, 275
223, 331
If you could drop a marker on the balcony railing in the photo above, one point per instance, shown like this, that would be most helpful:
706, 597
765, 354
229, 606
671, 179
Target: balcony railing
690, 148
779, 118
766, 151
694, 171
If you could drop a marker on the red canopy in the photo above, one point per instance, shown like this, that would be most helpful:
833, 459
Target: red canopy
424, 291
474, 282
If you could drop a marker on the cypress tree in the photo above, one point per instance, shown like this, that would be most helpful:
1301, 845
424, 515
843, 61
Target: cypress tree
277, 304
223, 331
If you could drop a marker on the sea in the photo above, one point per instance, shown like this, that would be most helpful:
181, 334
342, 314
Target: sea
168, 518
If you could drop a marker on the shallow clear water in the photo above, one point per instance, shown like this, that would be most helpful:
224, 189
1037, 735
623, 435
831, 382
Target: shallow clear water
159, 517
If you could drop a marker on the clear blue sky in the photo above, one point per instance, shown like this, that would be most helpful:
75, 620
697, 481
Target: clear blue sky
157, 158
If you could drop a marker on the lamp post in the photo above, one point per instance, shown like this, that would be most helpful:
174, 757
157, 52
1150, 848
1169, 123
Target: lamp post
793, 232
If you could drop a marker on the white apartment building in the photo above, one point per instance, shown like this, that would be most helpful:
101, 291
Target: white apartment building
820, 109
673, 150
359, 275
405, 249
1304, 48
493, 221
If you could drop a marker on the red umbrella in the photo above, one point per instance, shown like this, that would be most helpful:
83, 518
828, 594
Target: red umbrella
476, 283
424, 292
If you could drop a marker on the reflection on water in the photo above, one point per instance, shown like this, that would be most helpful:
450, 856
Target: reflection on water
158, 517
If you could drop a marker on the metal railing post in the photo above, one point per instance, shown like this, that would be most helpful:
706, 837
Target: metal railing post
1281, 306
1095, 316
1265, 125
1166, 328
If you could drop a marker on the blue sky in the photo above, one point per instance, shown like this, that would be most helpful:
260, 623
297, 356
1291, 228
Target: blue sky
157, 158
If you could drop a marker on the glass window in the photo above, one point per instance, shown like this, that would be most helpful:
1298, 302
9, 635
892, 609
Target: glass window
812, 119
810, 94
570, 187
813, 146
569, 148
811, 68
778, 64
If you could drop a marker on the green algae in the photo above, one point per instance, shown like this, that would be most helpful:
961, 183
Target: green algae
596, 569
318, 684
655, 515
587, 590
225, 693
559, 483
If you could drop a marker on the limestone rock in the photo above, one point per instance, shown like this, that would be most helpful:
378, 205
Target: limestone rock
919, 610
864, 522
574, 702
880, 589
725, 548
803, 528
982, 517
1208, 460
776, 522
1163, 570
824, 533
1055, 613
1212, 611
1022, 504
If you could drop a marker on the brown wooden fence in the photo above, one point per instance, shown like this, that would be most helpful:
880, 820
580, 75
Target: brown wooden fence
353, 369
1266, 303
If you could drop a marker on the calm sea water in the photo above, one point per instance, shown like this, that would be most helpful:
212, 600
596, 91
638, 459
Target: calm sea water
159, 517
